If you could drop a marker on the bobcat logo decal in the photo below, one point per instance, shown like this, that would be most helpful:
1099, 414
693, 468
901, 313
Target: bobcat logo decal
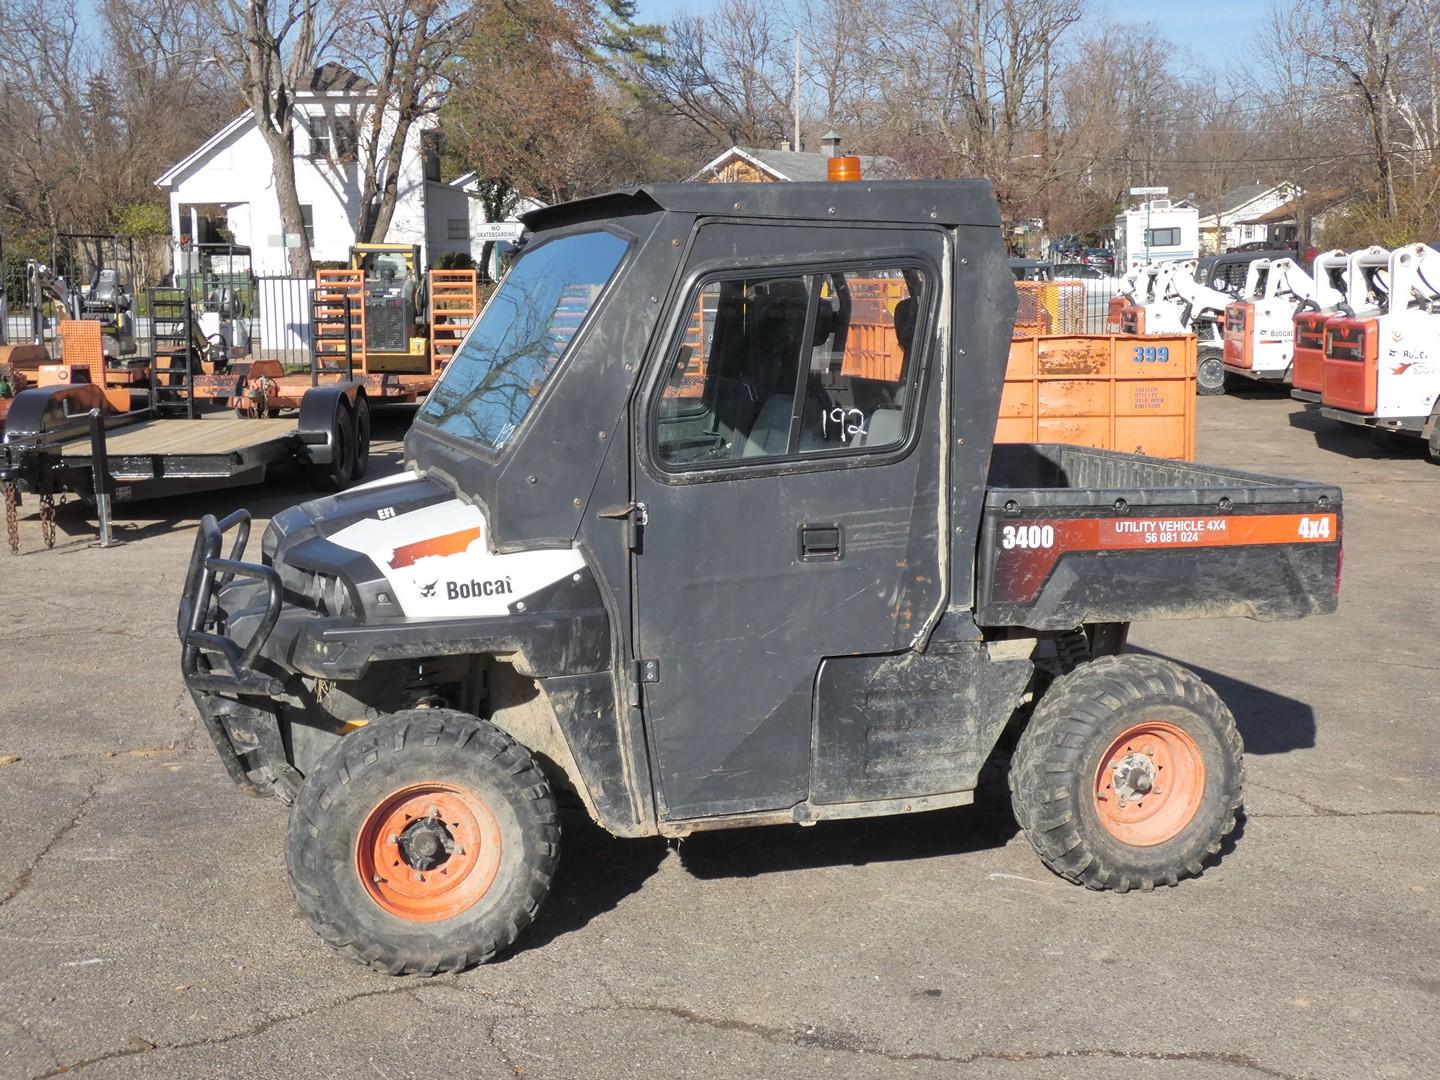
428, 591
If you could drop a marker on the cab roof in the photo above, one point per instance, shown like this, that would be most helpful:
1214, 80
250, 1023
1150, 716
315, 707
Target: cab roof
901, 202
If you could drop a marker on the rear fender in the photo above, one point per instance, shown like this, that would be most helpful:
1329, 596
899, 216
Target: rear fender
34, 411
318, 408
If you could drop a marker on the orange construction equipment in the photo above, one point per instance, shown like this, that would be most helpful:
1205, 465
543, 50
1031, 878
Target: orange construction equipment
362, 325
1050, 307
454, 304
1356, 292
1108, 391
82, 352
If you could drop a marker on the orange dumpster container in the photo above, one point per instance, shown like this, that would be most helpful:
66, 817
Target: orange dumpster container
1108, 391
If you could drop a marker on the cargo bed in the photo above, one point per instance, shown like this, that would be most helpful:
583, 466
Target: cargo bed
1072, 536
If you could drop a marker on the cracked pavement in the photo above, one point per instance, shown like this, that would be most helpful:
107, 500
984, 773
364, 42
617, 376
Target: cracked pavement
146, 929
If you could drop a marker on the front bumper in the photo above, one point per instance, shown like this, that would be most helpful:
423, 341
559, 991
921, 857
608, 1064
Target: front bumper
234, 698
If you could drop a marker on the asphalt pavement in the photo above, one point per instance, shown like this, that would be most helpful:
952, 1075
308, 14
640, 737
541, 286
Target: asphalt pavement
146, 928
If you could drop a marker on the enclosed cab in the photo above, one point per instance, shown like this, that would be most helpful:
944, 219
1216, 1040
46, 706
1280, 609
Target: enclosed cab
1260, 326
1382, 372
1328, 286
704, 527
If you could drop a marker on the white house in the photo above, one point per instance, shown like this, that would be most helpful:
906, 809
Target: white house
1154, 230
225, 190
761, 164
482, 229
1229, 221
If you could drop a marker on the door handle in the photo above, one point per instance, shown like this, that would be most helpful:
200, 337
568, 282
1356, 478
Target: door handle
822, 543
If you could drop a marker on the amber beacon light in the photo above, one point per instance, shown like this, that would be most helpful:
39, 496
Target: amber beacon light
843, 168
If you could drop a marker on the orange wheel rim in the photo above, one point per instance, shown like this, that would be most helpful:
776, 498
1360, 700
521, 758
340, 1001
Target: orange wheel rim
428, 851
1149, 784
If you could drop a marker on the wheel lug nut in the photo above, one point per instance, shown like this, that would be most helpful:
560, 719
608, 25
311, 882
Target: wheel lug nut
392, 839
419, 877
1149, 751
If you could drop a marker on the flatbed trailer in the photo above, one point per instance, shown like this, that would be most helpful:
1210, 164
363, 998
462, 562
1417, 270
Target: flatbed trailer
69, 439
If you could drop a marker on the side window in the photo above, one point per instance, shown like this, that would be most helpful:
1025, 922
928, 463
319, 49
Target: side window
858, 384
746, 382
730, 386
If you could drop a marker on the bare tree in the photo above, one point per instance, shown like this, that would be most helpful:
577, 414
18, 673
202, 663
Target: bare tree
725, 73
272, 47
406, 48
1362, 41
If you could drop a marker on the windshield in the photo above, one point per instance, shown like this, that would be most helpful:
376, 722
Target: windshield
511, 352
384, 265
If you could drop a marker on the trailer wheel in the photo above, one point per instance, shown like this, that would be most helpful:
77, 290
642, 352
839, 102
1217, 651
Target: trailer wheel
423, 843
1210, 372
362, 437
1128, 775
339, 472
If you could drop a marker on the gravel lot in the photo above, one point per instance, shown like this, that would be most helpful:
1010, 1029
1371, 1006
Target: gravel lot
146, 928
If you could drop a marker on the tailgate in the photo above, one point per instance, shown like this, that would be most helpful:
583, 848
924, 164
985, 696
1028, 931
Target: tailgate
1104, 537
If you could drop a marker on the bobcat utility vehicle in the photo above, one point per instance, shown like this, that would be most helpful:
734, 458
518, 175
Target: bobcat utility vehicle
1381, 371
704, 527
1328, 285
1260, 325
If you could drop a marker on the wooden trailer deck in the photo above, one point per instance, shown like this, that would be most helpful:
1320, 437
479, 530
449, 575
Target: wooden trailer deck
220, 435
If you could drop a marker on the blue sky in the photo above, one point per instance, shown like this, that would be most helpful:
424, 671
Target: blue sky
1214, 32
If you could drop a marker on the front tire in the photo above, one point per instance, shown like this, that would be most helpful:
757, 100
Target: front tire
424, 843
1210, 372
1129, 775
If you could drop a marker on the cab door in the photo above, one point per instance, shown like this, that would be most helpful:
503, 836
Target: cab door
787, 451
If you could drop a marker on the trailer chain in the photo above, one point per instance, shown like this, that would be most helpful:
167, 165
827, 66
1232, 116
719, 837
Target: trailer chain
47, 519
12, 517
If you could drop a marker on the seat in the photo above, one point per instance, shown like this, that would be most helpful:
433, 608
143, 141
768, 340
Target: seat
770, 434
886, 426
905, 324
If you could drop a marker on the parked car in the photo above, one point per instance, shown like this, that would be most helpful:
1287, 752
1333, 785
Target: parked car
1227, 272
1099, 257
1066, 247
1030, 270
1264, 245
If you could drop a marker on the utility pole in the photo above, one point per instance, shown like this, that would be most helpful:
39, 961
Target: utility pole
796, 144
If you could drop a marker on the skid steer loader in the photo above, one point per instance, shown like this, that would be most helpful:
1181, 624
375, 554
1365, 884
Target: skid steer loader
1260, 326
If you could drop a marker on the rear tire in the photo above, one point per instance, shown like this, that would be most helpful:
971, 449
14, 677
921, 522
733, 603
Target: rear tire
1129, 774
1210, 372
394, 808
339, 472
362, 438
